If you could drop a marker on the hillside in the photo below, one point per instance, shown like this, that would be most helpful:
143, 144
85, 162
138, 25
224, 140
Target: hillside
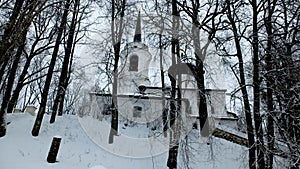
19, 150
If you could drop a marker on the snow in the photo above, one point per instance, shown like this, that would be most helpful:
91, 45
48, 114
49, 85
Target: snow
80, 148
98, 167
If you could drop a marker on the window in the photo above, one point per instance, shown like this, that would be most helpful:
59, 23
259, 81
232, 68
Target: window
133, 63
137, 111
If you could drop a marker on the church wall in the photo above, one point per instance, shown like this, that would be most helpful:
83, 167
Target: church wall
129, 79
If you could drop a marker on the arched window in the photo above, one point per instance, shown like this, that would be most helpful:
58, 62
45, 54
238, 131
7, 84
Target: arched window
133, 63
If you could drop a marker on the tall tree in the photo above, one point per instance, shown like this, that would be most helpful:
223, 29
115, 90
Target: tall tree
232, 16
44, 98
117, 9
286, 45
8, 41
269, 9
174, 139
203, 25
199, 69
43, 38
256, 87
64, 75
10, 80
13, 38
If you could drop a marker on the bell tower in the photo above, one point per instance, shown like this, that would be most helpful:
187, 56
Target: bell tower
134, 67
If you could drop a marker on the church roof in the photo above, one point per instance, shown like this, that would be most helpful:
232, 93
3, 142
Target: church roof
138, 30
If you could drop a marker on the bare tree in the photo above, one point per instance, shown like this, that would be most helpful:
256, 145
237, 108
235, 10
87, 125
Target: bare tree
257, 87
269, 9
42, 108
67, 63
15, 35
43, 38
117, 33
237, 32
208, 24
281, 61
173, 115
9, 38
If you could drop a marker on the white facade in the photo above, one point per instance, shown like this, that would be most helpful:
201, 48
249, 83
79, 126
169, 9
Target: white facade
134, 67
148, 106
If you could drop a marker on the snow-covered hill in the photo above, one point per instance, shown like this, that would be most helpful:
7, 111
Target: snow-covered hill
19, 150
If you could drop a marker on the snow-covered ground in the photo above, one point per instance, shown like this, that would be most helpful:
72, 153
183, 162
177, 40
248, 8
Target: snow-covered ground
80, 150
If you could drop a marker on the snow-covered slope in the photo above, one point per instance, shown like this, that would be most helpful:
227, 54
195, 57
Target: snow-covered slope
19, 150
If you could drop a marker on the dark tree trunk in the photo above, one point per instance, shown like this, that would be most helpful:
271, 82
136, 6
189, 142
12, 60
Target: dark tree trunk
269, 82
61, 104
19, 86
63, 80
51, 158
33, 52
174, 103
10, 80
5, 44
291, 104
2, 73
175, 45
6, 51
172, 159
173, 147
6, 47
270, 107
115, 114
203, 114
165, 110
172, 116
198, 72
256, 90
250, 130
42, 108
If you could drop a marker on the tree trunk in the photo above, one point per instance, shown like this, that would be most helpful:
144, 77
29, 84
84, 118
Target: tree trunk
6, 46
174, 133
33, 52
256, 90
203, 114
115, 115
250, 130
19, 86
162, 76
6, 52
61, 104
199, 73
63, 80
173, 147
10, 80
270, 107
2, 73
42, 108
269, 82
51, 158
116, 41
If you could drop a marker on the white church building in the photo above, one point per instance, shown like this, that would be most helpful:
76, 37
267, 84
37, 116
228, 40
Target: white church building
141, 102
